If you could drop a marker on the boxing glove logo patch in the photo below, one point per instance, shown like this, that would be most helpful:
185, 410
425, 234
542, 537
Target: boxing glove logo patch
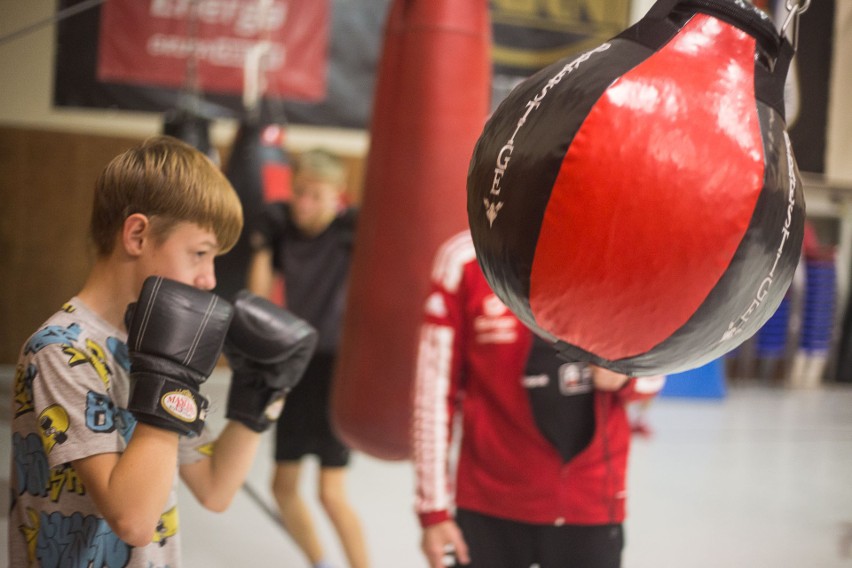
180, 404
273, 411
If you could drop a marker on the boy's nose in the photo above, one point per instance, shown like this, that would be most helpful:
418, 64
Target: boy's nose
206, 280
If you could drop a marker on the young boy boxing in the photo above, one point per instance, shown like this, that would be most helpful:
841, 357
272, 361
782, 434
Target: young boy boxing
108, 410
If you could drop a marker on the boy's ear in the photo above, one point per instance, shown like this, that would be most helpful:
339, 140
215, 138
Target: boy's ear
134, 232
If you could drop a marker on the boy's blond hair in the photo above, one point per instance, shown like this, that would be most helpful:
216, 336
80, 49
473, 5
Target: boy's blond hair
169, 181
321, 164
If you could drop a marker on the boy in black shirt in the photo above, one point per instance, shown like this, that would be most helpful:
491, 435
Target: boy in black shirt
308, 242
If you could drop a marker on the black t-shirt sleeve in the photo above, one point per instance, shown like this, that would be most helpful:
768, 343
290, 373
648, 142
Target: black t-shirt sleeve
347, 221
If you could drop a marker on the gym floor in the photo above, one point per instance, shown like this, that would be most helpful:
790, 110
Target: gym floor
759, 479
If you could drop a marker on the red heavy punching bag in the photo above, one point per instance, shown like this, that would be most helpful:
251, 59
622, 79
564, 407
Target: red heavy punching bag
432, 98
639, 205
259, 170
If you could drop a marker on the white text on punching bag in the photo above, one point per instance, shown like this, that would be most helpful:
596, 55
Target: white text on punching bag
505, 153
736, 326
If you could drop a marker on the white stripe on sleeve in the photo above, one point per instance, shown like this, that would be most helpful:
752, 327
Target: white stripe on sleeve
431, 424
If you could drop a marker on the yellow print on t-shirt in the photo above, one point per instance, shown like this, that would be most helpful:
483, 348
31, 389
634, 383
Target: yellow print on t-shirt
167, 527
53, 426
65, 477
23, 396
94, 355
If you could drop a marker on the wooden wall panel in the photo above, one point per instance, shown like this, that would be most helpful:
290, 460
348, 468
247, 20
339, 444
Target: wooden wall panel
46, 181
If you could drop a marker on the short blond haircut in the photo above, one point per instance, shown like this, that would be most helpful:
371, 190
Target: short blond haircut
321, 164
170, 182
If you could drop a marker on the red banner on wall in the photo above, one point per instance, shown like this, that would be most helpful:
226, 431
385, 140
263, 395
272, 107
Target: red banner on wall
153, 42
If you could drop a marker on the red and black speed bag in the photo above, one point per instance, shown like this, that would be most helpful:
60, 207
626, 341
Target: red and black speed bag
639, 204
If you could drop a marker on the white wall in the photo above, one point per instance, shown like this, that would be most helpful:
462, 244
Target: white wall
26, 68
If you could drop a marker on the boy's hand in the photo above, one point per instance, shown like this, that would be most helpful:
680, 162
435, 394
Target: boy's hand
175, 336
268, 349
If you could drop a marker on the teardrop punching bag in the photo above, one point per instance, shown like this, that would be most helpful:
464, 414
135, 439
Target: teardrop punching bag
432, 98
190, 127
639, 205
259, 169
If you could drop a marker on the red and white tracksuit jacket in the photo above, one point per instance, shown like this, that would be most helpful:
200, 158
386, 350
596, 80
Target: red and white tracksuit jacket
471, 358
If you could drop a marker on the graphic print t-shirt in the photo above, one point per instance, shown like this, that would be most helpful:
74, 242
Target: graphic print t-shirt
69, 402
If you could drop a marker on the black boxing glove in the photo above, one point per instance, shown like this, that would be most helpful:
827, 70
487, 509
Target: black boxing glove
175, 336
268, 349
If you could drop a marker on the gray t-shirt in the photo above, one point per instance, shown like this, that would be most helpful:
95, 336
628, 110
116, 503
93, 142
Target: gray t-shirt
69, 402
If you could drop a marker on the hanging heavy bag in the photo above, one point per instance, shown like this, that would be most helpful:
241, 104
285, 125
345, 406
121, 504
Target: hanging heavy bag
639, 204
432, 97
191, 127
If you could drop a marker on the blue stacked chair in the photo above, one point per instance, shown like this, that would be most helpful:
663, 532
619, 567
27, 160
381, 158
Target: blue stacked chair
819, 307
771, 339
705, 382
